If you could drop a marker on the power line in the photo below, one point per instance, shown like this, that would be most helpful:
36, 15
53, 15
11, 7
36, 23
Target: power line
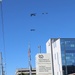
2, 19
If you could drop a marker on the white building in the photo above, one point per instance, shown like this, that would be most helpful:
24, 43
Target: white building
55, 54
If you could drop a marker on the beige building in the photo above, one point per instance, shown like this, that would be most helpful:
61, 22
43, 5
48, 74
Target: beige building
25, 71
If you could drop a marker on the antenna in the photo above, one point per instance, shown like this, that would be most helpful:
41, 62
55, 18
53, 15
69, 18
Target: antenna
39, 47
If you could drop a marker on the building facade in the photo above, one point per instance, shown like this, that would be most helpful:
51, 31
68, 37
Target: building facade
25, 71
63, 55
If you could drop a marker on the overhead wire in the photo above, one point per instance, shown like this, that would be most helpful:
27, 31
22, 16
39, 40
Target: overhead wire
3, 36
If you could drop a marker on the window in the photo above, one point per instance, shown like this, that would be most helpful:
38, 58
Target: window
54, 44
55, 56
72, 45
57, 73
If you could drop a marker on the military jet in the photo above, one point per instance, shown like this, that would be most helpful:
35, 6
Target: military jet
45, 13
33, 14
32, 29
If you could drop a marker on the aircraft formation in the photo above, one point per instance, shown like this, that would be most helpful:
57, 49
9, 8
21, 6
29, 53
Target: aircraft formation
34, 14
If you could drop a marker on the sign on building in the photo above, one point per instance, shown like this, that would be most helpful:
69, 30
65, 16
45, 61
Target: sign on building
43, 64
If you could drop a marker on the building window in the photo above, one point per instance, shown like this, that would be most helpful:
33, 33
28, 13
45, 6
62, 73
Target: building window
58, 58
57, 73
54, 44
55, 56
72, 45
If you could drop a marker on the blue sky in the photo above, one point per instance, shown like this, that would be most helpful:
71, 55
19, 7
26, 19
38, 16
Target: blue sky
59, 22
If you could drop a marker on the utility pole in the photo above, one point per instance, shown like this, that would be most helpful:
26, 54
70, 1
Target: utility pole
2, 72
